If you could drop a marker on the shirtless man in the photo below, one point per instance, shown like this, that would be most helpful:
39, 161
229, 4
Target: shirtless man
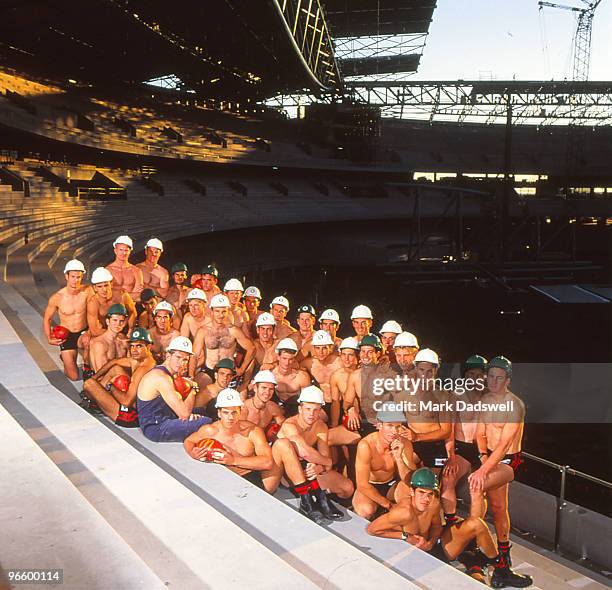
163, 331
117, 404
463, 455
498, 435
224, 373
127, 278
361, 318
360, 398
405, 348
178, 290
290, 379
265, 353
209, 279
70, 303
233, 290
388, 334
154, 276
260, 409
383, 464
349, 358
416, 520
330, 322
279, 308
111, 344
430, 430
163, 414
148, 302
304, 438
252, 299
102, 298
218, 338
306, 317
195, 318
323, 362
245, 448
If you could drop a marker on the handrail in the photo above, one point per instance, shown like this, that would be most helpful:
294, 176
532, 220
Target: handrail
569, 469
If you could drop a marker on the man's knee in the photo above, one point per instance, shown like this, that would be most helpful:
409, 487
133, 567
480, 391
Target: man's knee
475, 524
364, 509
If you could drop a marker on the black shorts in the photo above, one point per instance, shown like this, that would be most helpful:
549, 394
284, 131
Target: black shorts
383, 488
438, 552
127, 417
431, 453
255, 478
71, 342
515, 460
469, 451
290, 405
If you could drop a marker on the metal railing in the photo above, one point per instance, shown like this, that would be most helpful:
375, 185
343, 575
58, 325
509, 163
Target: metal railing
565, 470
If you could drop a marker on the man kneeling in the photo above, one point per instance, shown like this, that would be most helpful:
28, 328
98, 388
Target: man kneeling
417, 521
243, 446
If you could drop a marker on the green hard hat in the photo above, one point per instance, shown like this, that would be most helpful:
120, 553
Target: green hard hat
425, 478
117, 309
225, 364
474, 362
501, 362
178, 267
210, 270
306, 309
371, 340
147, 294
141, 335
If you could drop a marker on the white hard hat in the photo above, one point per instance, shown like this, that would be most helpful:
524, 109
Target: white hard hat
180, 344
219, 301
155, 243
124, 240
349, 342
286, 344
252, 292
311, 394
391, 326
265, 377
233, 285
228, 398
74, 264
280, 300
427, 356
164, 306
321, 338
265, 319
362, 312
406, 339
101, 275
196, 294
330, 314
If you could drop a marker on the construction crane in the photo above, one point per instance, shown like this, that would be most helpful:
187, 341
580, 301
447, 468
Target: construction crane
582, 38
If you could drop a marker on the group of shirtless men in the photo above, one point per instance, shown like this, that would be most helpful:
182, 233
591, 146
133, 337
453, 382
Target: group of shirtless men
238, 386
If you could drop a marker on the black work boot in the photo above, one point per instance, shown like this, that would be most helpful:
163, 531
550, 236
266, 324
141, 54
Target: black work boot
504, 576
326, 506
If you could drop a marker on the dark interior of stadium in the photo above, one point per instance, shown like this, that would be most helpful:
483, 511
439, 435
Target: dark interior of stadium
478, 214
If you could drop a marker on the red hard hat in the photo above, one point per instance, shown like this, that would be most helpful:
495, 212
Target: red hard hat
122, 382
59, 332
211, 445
272, 431
182, 386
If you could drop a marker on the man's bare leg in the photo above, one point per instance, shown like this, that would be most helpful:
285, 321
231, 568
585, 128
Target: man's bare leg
69, 358
501, 475
448, 495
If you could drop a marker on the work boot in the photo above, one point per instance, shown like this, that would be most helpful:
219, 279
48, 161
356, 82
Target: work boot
504, 576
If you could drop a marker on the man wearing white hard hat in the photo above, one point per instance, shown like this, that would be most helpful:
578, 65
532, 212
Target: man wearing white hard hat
218, 339
162, 332
304, 437
323, 362
290, 378
70, 305
305, 321
196, 317
430, 428
154, 275
279, 307
103, 298
241, 445
405, 349
265, 353
329, 321
361, 319
127, 278
261, 409
233, 290
349, 359
165, 397
252, 299
388, 333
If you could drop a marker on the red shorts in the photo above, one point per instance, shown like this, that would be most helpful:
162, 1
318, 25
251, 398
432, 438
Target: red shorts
127, 417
